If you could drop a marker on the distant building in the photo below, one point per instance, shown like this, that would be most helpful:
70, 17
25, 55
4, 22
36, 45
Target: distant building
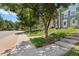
68, 17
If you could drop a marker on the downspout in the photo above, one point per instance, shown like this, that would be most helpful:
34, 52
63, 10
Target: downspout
59, 19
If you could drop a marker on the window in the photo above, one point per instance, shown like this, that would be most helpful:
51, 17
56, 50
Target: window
62, 15
73, 21
64, 22
77, 9
73, 12
66, 14
69, 13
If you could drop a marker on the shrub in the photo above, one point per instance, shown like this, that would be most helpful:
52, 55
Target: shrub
57, 35
71, 52
75, 26
74, 51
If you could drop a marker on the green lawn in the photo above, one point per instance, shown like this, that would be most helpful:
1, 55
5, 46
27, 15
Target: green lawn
39, 42
53, 37
41, 33
74, 51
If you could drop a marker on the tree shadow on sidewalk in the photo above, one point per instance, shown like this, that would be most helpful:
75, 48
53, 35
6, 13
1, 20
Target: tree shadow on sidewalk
20, 33
23, 46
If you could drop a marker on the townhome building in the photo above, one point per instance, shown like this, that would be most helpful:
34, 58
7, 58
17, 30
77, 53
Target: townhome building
68, 17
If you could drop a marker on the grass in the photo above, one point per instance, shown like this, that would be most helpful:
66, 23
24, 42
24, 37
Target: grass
58, 35
41, 33
74, 51
39, 42
36, 33
53, 37
68, 30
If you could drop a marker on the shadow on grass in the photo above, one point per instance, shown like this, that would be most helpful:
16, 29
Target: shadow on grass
39, 42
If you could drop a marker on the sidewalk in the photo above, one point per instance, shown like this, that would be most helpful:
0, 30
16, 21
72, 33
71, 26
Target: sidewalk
59, 48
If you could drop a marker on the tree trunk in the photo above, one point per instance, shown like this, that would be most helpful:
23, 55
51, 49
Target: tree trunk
30, 30
54, 23
46, 33
46, 25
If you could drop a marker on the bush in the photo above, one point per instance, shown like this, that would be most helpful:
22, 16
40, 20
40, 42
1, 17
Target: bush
71, 52
57, 35
74, 51
75, 26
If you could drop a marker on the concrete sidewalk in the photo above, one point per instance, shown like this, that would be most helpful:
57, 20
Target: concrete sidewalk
24, 47
59, 48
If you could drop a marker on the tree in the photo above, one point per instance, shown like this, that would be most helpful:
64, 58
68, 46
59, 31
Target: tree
1, 23
46, 12
6, 25
26, 18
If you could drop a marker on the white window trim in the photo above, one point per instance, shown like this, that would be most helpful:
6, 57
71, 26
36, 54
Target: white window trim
72, 21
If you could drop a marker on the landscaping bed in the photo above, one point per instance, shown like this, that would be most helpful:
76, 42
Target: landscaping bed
41, 41
53, 37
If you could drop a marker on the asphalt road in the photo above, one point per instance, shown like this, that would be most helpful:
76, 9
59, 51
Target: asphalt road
4, 34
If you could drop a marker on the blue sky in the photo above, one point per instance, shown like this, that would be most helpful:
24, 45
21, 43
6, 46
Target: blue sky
7, 15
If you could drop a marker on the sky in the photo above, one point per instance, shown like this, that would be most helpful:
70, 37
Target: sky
7, 15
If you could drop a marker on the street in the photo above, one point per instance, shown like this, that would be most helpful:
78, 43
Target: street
8, 39
4, 34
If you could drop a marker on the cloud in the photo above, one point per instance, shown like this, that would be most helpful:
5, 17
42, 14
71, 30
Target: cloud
8, 15
2, 11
